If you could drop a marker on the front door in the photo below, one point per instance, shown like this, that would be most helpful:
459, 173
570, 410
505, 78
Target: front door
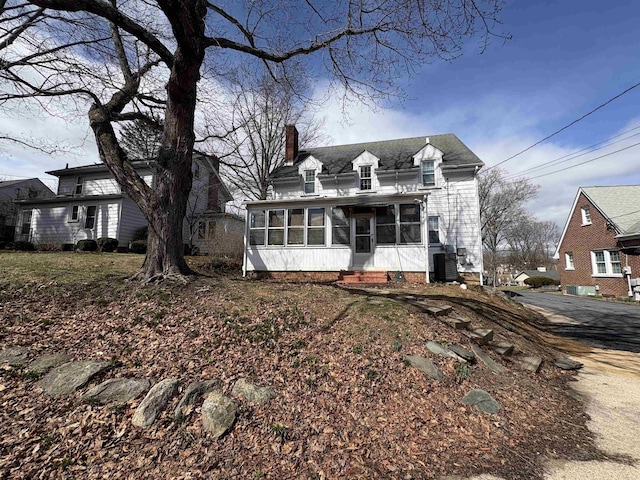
363, 240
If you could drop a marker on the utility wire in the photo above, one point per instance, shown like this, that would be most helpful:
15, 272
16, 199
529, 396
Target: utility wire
576, 154
566, 126
587, 161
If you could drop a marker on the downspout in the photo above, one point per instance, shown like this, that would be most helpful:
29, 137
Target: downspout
475, 175
246, 242
426, 239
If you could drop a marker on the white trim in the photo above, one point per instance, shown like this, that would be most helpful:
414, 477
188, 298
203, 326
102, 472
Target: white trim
567, 256
556, 255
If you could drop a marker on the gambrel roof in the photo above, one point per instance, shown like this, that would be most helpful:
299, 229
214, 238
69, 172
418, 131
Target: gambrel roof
393, 155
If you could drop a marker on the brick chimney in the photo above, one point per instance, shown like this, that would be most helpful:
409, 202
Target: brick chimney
291, 144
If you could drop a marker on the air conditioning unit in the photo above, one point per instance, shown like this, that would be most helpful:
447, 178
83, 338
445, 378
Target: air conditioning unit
635, 282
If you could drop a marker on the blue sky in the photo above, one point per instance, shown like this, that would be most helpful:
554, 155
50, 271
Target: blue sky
565, 58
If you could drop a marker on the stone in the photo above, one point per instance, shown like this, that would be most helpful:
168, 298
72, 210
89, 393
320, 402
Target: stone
14, 356
424, 365
192, 394
463, 353
482, 401
252, 393
458, 323
568, 364
119, 390
70, 376
530, 363
218, 414
154, 403
440, 350
487, 360
439, 311
49, 361
482, 336
502, 348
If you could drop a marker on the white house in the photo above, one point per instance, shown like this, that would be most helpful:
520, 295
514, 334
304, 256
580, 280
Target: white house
406, 208
12, 190
90, 204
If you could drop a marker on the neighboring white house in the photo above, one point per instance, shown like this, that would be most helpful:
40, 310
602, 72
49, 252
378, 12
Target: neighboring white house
90, 204
405, 207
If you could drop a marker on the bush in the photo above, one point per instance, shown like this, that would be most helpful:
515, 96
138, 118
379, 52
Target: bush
3, 245
141, 233
68, 247
139, 246
107, 244
537, 282
87, 245
22, 246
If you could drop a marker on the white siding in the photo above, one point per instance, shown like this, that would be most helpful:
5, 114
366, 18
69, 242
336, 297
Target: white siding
101, 183
131, 219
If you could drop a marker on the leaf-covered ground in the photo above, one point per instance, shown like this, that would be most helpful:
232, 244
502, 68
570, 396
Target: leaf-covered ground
347, 404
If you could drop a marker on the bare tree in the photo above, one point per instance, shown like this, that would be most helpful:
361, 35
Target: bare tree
255, 147
531, 243
501, 206
127, 60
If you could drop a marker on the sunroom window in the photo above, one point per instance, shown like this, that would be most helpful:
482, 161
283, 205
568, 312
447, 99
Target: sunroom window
410, 223
295, 232
276, 227
386, 225
315, 226
341, 229
257, 223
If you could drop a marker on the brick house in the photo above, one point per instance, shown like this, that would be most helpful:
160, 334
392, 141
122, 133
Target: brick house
599, 251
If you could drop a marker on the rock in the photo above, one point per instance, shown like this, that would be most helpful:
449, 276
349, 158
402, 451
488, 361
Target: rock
463, 353
14, 356
568, 364
192, 394
530, 363
482, 401
439, 311
424, 365
218, 414
252, 393
119, 390
155, 401
46, 362
502, 348
440, 350
70, 376
458, 323
487, 360
482, 336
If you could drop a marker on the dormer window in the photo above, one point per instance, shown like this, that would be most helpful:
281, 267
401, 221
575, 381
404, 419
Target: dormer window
427, 173
79, 184
309, 181
365, 177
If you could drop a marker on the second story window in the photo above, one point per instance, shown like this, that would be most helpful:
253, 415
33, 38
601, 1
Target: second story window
427, 173
309, 181
365, 177
586, 215
79, 184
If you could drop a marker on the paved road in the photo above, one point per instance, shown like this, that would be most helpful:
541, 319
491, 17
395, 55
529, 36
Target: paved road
598, 323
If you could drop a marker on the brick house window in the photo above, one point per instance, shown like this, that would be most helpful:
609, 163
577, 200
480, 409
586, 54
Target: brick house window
568, 261
586, 215
606, 263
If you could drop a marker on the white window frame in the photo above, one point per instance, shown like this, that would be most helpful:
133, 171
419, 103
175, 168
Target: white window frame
79, 187
362, 177
569, 263
77, 210
86, 217
309, 182
26, 214
273, 229
263, 228
586, 215
424, 171
437, 218
608, 263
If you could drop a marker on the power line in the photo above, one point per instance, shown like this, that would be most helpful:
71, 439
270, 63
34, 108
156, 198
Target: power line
566, 126
585, 162
577, 153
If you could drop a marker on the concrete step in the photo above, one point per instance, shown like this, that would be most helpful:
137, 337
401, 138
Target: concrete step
529, 363
502, 348
440, 311
458, 323
481, 336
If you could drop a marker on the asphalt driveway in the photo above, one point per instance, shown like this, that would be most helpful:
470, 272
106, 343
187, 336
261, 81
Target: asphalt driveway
598, 323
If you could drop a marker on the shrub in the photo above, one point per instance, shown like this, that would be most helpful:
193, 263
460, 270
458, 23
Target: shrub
22, 246
87, 245
107, 244
68, 247
537, 282
139, 246
2, 245
141, 233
